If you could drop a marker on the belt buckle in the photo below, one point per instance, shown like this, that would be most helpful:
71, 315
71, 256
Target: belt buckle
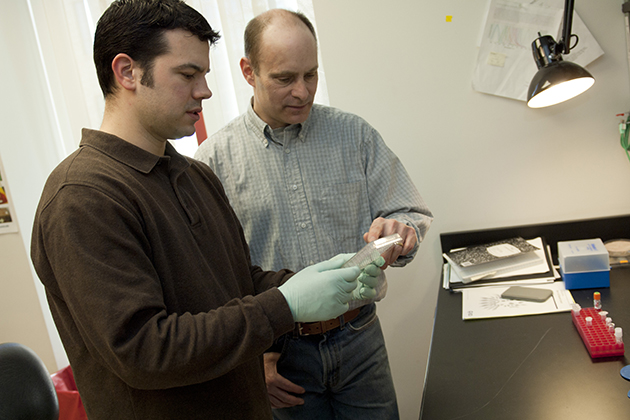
299, 330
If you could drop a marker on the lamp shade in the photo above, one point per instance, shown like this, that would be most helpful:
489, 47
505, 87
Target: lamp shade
557, 82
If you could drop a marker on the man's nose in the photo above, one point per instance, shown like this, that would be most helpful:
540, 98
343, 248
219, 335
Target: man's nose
203, 91
300, 90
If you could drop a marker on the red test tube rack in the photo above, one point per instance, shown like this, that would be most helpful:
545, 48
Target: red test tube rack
596, 335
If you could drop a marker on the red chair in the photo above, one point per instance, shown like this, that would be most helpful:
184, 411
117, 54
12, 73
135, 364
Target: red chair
70, 404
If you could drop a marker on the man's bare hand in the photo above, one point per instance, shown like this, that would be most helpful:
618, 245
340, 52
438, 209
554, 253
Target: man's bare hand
279, 388
383, 227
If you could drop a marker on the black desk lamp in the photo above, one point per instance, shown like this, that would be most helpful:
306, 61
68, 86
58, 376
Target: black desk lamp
556, 80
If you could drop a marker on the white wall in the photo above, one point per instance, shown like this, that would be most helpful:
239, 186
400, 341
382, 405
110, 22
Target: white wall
479, 161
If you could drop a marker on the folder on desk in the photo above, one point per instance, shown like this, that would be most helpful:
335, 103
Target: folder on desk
532, 267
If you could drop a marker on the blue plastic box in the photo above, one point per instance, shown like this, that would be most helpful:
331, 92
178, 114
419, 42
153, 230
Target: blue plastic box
584, 264
586, 279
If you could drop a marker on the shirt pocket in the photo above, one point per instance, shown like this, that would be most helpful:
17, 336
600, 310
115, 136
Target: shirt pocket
345, 211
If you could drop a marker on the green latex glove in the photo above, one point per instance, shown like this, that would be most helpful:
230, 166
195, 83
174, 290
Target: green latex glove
321, 291
368, 279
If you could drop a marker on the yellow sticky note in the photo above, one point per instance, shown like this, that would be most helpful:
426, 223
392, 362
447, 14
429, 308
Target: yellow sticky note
449, 18
496, 59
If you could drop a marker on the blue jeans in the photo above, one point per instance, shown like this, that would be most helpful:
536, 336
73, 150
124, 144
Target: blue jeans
345, 372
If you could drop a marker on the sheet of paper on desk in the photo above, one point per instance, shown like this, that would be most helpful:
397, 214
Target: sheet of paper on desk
486, 302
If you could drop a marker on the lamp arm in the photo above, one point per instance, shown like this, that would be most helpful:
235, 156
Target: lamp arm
567, 20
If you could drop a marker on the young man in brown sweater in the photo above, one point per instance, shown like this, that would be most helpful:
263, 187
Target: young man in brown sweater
146, 268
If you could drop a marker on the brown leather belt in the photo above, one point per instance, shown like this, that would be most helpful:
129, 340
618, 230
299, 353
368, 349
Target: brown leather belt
312, 328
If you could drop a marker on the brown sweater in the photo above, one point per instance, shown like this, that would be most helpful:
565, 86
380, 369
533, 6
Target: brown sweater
150, 284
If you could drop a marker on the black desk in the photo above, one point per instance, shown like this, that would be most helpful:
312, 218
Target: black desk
531, 367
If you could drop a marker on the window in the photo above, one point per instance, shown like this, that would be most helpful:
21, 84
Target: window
65, 31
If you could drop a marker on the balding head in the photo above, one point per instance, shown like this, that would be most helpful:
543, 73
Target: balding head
275, 17
282, 67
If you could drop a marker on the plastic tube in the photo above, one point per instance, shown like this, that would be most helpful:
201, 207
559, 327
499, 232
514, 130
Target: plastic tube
373, 250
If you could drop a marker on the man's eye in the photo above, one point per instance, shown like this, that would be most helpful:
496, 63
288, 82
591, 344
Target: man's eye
284, 80
310, 76
188, 76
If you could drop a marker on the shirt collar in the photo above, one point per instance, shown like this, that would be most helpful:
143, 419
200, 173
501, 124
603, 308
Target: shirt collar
260, 128
131, 155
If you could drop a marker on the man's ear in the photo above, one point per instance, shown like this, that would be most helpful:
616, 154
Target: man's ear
125, 71
248, 71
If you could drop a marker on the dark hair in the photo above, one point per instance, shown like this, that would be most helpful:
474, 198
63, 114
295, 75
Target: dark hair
136, 28
256, 26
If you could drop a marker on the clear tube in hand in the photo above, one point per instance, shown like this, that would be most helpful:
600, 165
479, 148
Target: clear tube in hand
373, 250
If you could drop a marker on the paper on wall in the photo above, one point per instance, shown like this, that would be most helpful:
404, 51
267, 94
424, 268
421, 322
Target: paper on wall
505, 63
8, 222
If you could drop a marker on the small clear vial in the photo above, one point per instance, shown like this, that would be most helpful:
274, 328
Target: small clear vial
576, 308
597, 300
608, 320
618, 335
603, 315
372, 251
611, 327
589, 321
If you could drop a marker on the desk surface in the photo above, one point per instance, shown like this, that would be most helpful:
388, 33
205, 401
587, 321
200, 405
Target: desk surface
530, 367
